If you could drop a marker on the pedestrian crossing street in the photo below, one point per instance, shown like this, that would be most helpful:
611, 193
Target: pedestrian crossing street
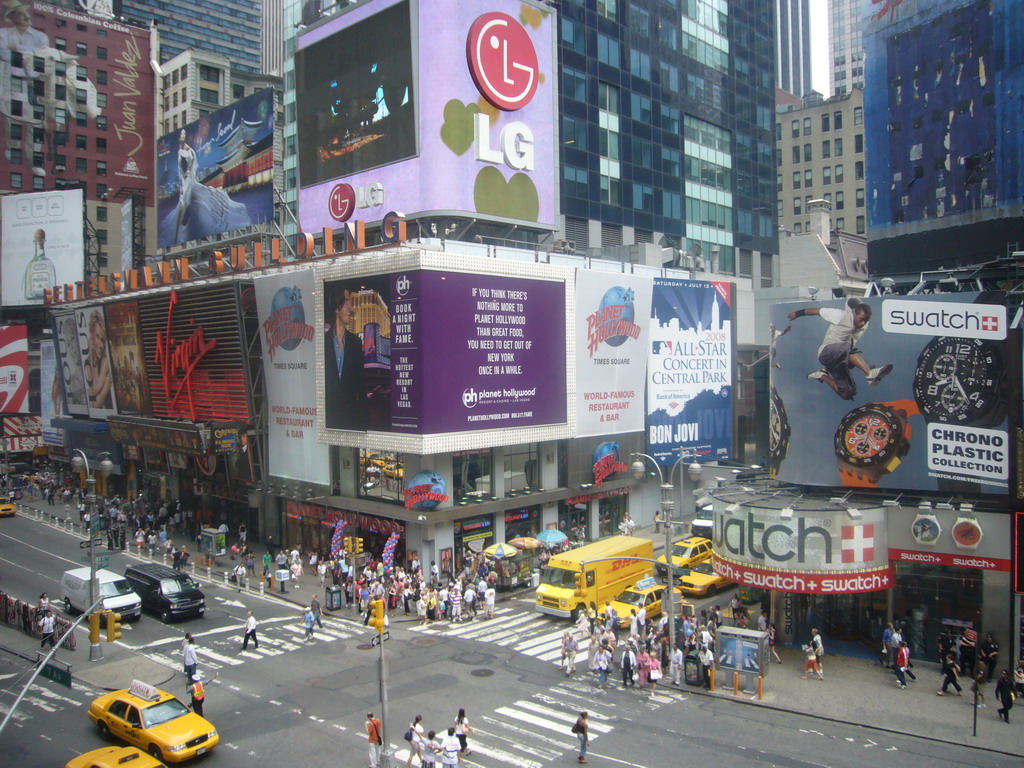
536, 635
536, 732
222, 647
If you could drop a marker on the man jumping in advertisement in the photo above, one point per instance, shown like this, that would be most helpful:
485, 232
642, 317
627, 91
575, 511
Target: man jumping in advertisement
838, 352
345, 405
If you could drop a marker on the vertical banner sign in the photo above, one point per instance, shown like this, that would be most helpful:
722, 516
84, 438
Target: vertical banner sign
127, 235
611, 352
52, 401
285, 307
13, 369
689, 379
91, 337
69, 360
131, 383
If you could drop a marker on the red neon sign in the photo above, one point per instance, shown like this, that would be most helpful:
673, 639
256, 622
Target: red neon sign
180, 357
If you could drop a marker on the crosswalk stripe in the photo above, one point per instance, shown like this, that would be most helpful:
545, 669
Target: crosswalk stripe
529, 736
509, 736
566, 717
540, 722
502, 755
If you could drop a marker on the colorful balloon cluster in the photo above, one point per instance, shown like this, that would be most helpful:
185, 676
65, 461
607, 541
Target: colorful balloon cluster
389, 553
337, 540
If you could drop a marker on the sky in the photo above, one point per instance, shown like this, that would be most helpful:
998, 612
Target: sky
820, 75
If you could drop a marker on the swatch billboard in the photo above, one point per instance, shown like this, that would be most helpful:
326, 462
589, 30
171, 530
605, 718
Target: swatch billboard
689, 370
286, 307
217, 173
410, 104
902, 392
434, 351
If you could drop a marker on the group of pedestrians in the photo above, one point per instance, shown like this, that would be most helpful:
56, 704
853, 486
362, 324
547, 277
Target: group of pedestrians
430, 747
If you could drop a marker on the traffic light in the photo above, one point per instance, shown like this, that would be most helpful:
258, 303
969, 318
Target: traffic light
348, 544
113, 626
357, 545
581, 585
94, 626
377, 620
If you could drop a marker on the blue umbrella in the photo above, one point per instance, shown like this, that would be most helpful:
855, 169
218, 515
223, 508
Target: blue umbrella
552, 537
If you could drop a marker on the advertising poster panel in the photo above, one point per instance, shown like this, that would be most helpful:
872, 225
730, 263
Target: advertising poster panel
95, 352
217, 174
409, 104
286, 311
488, 352
902, 392
51, 397
13, 368
814, 552
611, 351
42, 244
131, 383
689, 370
69, 361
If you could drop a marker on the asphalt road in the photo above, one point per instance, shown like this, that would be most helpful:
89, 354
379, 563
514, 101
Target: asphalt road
308, 708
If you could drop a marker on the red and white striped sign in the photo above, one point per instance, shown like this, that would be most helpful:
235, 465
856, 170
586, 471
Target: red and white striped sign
13, 368
22, 426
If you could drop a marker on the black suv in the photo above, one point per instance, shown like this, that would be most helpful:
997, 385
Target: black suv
165, 591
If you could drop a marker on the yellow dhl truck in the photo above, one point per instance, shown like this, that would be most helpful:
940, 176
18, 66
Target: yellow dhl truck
599, 581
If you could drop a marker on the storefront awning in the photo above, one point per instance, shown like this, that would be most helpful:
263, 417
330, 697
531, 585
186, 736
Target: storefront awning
182, 437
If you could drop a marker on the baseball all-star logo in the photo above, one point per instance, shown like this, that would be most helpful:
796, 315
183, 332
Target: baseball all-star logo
858, 543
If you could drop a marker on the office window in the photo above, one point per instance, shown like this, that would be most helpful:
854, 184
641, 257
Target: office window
778, 132
101, 144
574, 84
101, 167
671, 161
807, 153
610, 192
574, 181
81, 49
81, 165
101, 100
795, 129
81, 142
860, 225
778, 182
798, 206
824, 122
60, 92
839, 173
237, 92
807, 126
101, 77
608, 8
574, 35
858, 143
60, 44
643, 198
640, 64
642, 108
607, 50
860, 198
839, 147
858, 170
574, 133
808, 178
101, 53
101, 122
826, 149
101, 236
796, 179
796, 153
101, 213
798, 228
841, 223
837, 120
81, 73
826, 174
828, 197
16, 155
643, 154
38, 183
858, 115
672, 205
670, 119
16, 180
101, 191
840, 201
210, 74
208, 95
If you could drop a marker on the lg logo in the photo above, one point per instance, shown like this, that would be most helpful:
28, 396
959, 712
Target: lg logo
344, 199
502, 61
469, 397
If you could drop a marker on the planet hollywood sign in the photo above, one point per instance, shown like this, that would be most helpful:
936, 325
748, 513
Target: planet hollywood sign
816, 552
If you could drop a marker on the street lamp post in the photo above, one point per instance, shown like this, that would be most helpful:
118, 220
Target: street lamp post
639, 469
79, 462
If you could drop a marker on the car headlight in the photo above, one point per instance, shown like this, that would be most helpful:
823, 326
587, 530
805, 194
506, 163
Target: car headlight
561, 603
211, 734
176, 748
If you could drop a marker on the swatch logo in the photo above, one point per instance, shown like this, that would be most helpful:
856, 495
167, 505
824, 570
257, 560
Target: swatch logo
932, 318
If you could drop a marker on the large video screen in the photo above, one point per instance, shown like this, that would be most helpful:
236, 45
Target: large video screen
358, 107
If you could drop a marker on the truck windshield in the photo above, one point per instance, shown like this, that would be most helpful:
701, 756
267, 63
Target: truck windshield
176, 586
115, 588
558, 577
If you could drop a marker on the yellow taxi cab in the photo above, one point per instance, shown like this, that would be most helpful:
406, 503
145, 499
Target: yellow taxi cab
686, 553
7, 509
115, 757
702, 580
153, 720
646, 594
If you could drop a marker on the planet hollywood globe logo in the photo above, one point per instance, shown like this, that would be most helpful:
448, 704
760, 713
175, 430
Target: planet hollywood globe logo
286, 327
613, 322
425, 490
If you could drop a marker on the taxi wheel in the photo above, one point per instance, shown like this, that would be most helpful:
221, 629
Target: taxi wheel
154, 750
104, 730
711, 590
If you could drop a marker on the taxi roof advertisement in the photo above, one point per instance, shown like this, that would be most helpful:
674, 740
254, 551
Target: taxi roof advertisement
411, 103
903, 392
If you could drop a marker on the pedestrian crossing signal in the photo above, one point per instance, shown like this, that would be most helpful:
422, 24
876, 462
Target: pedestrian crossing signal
377, 616
581, 585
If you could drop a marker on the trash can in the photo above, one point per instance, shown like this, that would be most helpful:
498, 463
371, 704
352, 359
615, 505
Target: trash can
332, 597
535, 579
282, 576
692, 671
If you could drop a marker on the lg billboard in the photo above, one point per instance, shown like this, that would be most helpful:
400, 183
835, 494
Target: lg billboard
907, 393
420, 116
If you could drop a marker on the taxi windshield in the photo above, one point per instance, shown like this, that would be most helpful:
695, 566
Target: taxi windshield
631, 598
558, 577
163, 712
680, 550
704, 568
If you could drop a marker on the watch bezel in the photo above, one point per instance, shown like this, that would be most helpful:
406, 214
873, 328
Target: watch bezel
892, 444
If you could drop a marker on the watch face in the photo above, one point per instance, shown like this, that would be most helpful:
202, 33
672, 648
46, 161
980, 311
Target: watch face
959, 381
870, 435
778, 429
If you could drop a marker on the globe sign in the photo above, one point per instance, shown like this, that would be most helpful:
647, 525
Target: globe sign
289, 297
432, 480
617, 297
605, 450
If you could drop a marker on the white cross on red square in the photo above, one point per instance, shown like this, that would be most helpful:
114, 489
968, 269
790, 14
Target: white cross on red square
858, 543
989, 323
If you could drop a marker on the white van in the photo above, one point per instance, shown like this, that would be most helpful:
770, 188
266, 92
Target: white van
704, 523
115, 590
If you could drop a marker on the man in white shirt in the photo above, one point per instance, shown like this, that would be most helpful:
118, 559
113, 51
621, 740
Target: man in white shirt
250, 631
489, 602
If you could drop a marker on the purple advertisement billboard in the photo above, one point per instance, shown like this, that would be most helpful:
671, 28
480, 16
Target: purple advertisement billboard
901, 392
485, 352
217, 174
383, 130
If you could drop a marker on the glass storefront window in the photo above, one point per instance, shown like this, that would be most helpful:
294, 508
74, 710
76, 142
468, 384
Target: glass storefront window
572, 521
381, 475
522, 468
926, 596
522, 522
610, 514
471, 472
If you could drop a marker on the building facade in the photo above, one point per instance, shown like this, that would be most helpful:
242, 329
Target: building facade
845, 50
793, 46
820, 151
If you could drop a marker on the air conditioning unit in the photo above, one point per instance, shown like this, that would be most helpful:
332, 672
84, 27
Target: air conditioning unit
60, 167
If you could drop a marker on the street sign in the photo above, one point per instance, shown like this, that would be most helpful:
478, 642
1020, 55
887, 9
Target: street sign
62, 676
102, 561
377, 639
85, 544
